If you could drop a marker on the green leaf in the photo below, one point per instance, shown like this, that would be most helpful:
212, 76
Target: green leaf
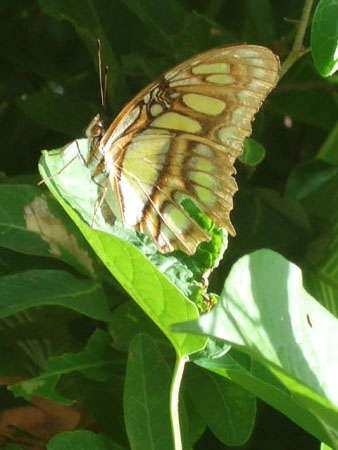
98, 361
328, 151
195, 424
324, 37
308, 178
321, 273
33, 223
86, 23
199, 33
55, 112
257, 379
266, 220
265, 312
34, 288
146, 396
227, 409
42, 386
258, 12
316, 108
11, 362
127, 321
169, 18
316, 184
253, 152
322, 194
159, 22
29, 338
80, 439
325, 447
105, 403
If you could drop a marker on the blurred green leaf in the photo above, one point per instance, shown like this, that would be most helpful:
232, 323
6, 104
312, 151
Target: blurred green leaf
86, 440
159, 21
86, 23
322, 200
258, 12
309, 177
169, 17
199, 33
97, 362
56, 112
253, 152
315, 107
264, 219
328, 151
34, 288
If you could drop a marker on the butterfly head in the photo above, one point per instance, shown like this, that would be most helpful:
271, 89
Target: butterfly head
94, 134
95, 129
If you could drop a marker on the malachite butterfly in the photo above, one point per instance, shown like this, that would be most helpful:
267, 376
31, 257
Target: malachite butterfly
179, 138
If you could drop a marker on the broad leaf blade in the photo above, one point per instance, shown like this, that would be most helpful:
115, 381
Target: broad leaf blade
146, 396
265, 312
228, 410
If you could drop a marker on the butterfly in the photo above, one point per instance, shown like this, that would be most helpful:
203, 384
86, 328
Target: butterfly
177, 139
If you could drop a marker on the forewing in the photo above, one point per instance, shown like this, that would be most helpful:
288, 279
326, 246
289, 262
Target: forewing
180, 137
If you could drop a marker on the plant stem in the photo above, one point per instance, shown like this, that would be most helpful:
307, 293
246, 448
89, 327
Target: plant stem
297, 50
174, 402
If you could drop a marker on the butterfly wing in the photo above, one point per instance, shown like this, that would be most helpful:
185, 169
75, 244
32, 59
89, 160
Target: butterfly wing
179, 138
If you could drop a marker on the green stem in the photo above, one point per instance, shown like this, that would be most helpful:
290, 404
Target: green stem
297, 50
174, 402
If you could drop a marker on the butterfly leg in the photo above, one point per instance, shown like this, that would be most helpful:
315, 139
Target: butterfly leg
99, 202
79, 154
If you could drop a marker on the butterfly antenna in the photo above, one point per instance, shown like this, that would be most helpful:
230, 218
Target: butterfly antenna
104, 81
106, 69
100, 72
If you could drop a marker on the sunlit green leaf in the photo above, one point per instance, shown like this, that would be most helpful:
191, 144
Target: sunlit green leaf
324, 37
265, 312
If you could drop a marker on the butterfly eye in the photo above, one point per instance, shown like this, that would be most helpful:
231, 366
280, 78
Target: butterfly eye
96, 130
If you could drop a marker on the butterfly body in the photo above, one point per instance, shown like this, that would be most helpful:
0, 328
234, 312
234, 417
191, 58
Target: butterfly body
179, 138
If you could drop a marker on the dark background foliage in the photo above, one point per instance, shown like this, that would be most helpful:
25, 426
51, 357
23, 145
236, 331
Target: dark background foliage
49, 92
